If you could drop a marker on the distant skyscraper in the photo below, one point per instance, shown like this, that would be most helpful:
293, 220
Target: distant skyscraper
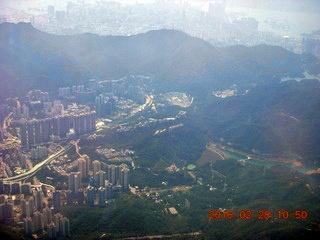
25, 208
64, 229
47, 217
90, 196
84, 123
27, 223
88, 162
82, 167
57, 109
56, 200
15, 188
69, 196
56, 219
102, 196
26, 189
39, 152
63, 124
6, 212
64, 92
38, 200
9, 214
112, 174
96, 167
24, 133
118, 175
99, 100
47, 107
52, 231
45, 130
100, 179
109, 191
35, 132
80, 196
25, 111
124, 178
2, 199
74, 181
32, 206
7, 187
38, 221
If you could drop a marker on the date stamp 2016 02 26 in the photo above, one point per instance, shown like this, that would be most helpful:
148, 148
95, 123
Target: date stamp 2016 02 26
262, 214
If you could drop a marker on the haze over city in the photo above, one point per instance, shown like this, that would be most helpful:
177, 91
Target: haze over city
284, 18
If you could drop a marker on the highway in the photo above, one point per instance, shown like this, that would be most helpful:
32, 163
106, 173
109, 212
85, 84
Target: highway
39, 166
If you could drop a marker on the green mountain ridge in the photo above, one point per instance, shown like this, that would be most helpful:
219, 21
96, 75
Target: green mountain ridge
30, 58
276, 120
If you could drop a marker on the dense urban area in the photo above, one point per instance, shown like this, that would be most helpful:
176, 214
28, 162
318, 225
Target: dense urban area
218, 22
39, 132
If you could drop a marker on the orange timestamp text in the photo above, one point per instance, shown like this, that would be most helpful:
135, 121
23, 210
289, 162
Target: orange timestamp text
263, 214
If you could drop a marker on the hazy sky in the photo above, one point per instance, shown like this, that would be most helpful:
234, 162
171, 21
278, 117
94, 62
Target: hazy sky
61, 4
300, 22
298, 5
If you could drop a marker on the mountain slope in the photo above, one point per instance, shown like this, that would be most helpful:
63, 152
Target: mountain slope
278, 119
32, 58
273, 118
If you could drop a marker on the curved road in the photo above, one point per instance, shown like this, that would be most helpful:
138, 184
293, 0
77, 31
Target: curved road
37, 167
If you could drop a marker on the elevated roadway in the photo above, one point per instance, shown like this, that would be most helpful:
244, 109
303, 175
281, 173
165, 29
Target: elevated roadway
39, 166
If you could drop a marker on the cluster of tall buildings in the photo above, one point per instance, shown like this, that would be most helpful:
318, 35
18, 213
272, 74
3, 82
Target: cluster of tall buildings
15, 188
102, 194
102, 184
77, 92
133, 92
53, 109
56, 225
37, 95
35, 132
34, 212
136, 93
21, 112
118, 175
39, 152
6, 210
104, 105
40, 131
66, 92
115, 175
